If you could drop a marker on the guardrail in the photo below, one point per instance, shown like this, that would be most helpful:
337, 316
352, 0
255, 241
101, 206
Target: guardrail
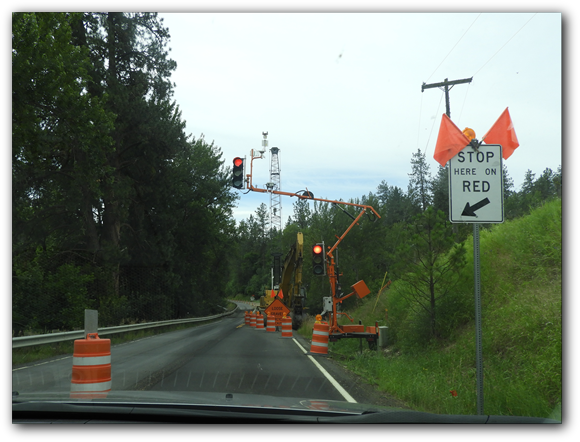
26, 341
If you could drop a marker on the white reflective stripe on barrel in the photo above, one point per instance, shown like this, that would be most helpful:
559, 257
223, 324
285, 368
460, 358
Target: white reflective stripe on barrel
92, 360
321, 333
320, 344
92, 386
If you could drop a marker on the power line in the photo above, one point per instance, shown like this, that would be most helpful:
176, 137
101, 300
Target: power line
460, 38
419, 123
433, 125
505, 44
464, 100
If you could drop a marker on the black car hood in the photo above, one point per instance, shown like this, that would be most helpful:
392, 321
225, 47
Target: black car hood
217, 408
203, 399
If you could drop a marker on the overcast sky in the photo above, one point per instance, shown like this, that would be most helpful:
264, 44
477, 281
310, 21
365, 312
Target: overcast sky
340, 93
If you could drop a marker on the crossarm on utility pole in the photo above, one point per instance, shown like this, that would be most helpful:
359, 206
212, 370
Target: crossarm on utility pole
445, 83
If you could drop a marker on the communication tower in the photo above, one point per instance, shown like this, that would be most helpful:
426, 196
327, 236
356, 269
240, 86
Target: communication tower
274, 184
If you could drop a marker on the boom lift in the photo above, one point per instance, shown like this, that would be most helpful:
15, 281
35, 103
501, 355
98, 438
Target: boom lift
360, 289
290, 285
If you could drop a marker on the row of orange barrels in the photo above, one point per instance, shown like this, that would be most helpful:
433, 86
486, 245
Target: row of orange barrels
256, 320
319, 345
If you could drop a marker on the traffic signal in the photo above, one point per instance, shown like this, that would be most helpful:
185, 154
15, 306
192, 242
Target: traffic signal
238, 177
318, 267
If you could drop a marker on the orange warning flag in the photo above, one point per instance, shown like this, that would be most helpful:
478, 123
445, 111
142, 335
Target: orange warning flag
502, 132
280, 294
450, 141
273, 294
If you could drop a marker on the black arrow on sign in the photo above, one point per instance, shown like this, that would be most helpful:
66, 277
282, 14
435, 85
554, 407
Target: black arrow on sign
470, 210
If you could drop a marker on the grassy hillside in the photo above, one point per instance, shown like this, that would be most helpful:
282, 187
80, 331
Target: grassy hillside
521, 274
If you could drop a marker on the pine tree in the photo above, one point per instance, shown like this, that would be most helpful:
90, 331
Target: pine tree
433, 261
420, 183
441, 190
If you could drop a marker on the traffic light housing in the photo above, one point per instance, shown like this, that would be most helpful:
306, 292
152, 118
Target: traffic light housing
238, 173
318, 261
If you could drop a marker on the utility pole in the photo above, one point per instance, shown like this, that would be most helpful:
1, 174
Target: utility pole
446, 87
476, 265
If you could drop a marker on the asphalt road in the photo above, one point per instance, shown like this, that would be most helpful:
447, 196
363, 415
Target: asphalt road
224, 356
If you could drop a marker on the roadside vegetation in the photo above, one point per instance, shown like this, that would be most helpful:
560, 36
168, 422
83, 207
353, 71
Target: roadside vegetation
521, 270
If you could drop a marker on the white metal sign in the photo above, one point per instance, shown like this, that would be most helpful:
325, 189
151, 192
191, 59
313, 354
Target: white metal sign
476, 185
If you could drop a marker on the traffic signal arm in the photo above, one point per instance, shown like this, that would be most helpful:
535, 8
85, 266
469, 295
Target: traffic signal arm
306, 197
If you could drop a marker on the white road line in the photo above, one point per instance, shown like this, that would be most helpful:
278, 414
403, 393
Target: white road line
42, 363
333, 381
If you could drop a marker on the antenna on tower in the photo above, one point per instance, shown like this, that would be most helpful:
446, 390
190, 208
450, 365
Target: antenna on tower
264, 143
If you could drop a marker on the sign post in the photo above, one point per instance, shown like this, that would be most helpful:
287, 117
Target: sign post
476, 196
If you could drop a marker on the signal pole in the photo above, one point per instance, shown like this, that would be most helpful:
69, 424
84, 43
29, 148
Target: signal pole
445, 84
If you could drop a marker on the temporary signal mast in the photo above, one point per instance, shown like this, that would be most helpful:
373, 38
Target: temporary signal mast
360, 289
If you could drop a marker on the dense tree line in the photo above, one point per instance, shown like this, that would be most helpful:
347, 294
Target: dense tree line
413, 241
114, 207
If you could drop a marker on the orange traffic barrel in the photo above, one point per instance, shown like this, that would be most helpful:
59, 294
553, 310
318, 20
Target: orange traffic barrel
252, 319
271, 324
246, 318
320, 339
259, 321
286, 327
91, 370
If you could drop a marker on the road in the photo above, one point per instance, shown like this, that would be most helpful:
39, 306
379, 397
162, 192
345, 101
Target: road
223, 356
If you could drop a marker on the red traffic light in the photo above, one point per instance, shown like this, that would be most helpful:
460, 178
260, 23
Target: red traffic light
318, 267
238, 161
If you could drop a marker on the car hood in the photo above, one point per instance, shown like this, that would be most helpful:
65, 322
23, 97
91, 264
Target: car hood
187, 407
203, 399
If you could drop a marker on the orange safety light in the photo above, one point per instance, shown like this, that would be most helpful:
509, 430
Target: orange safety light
469, 133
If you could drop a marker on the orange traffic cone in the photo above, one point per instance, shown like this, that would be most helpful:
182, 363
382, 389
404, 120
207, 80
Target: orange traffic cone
91, 370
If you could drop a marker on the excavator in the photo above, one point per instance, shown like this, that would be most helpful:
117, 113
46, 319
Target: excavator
289, 288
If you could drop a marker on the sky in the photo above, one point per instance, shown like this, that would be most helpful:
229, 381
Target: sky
340, 93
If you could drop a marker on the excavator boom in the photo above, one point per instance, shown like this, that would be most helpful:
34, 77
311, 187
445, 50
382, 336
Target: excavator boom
293, 293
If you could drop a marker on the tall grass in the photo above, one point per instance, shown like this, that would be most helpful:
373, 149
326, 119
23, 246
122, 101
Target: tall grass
521, 274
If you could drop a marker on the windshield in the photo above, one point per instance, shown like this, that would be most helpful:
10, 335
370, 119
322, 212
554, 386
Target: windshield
330, 214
